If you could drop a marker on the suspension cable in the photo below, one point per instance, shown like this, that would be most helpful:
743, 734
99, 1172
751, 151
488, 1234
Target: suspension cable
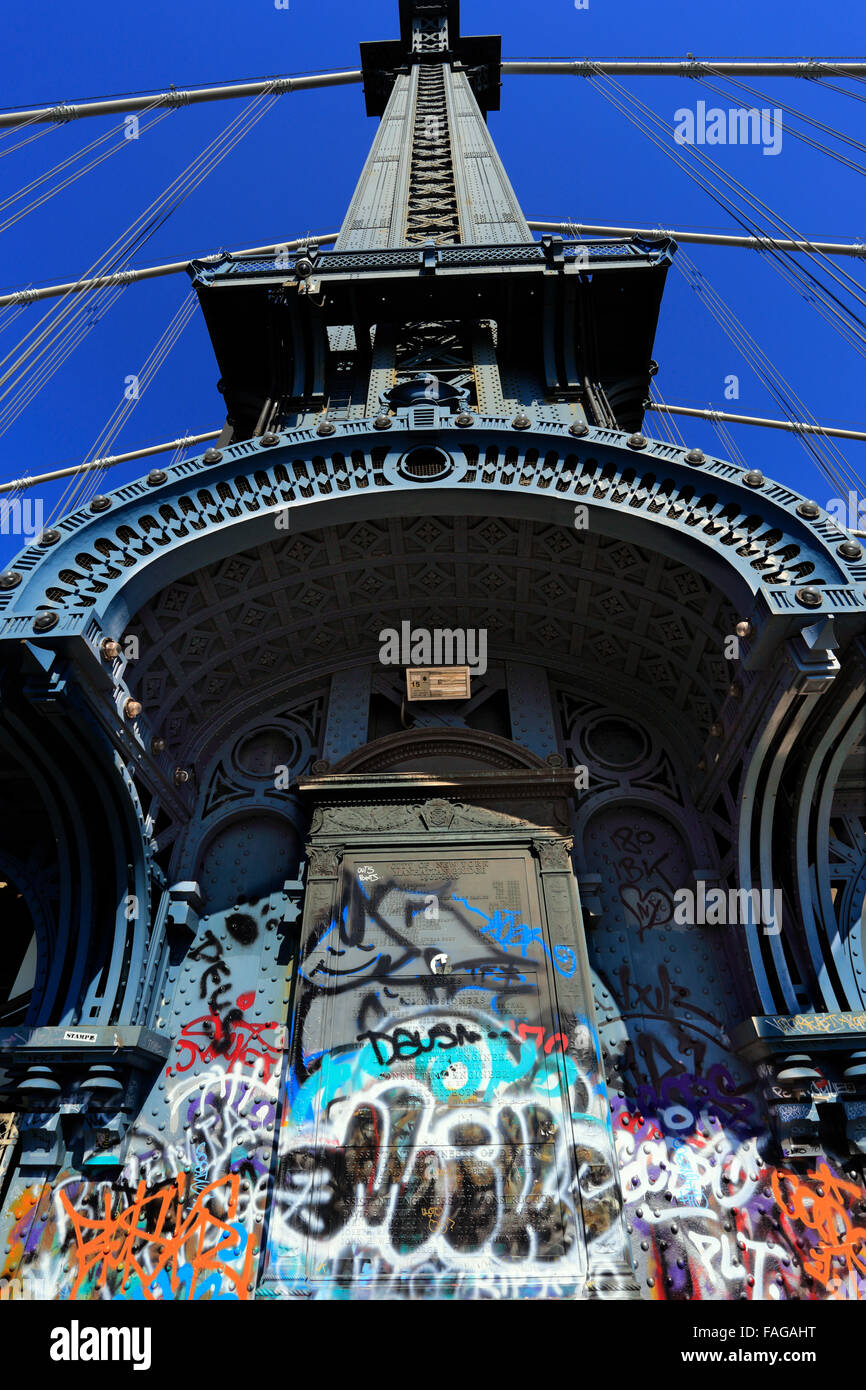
146, 374
43, 347
46, 196
781, 107
41, 478
111, 106
789, 269
766, 371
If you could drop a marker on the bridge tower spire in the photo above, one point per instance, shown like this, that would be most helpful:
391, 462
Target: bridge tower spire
436, 294
433, 173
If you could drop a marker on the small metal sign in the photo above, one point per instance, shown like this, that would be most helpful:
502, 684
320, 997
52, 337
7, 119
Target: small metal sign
438, 683
72, 1035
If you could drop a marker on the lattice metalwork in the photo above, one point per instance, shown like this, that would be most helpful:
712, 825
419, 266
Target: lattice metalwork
436, 352
432, 208
430, 33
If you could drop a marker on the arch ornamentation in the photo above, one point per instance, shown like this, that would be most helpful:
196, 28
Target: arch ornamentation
753, 543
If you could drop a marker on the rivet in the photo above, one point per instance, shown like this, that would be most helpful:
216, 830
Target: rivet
156, 477
49, 537
636, 441
109, 650
809, 598
696, 456
522, 422
212, 456
100, 504
10, 579
578, 429
744, 629
181, 776
269, 440
45, 620
326, 428
157, 745
754, 478
716, 730
850, 550
382, 422
465, 420
132, 708
735, 690
809, 511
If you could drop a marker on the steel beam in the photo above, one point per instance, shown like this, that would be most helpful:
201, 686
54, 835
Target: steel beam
574, 67
151, 272
792, 426
826, 248
231, 91
19, 484
686, 67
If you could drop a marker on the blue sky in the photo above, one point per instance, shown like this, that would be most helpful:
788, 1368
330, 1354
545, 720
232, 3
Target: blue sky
570, 155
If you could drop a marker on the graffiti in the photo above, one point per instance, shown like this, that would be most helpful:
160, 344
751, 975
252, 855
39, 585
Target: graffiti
399, 1178
702, 1215
503, 928
200, 1169
152, 1249
689, 1172
234, 1038
822, 1201
639, 861
228, 1033
440, 1137
819, 1023
529, 1031
666, 1023
444, 1135
406, 1043
437, 1218
16, 1290
710, 1217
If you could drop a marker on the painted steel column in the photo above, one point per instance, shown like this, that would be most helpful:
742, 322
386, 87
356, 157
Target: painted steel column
433, 146
532, 722
377, 211
489, 210
348, 713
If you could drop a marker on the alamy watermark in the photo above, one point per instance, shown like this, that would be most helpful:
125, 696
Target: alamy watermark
17, 1290
849, 512
77, 1343
420, 646
21, 517
738, 125
719, 907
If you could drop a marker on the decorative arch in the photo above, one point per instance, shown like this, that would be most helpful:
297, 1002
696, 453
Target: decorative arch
93, 572
458, 750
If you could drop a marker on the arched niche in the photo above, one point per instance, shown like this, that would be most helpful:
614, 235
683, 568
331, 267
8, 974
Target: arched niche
246, 858
440, 751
